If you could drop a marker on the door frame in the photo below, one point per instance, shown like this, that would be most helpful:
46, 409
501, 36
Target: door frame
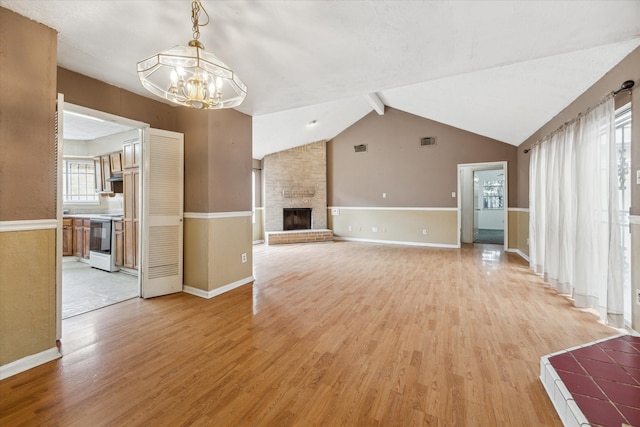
472, 167
61, 106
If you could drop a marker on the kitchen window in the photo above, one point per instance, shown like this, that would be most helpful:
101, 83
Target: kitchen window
78, 182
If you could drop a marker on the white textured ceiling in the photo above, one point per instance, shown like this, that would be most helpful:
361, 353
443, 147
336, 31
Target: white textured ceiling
497, 68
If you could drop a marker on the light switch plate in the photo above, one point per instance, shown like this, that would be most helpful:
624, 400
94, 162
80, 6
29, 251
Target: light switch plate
335, 211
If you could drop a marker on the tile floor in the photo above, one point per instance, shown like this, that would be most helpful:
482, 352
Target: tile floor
85, 289
596, 384
495, 237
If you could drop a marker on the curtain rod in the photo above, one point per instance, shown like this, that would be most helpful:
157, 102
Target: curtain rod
626, 85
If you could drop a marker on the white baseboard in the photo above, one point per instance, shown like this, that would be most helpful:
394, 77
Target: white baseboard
257, 242
29, 362
519, 252
217, 291
394, 242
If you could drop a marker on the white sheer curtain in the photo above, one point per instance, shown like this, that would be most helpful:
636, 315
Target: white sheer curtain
574, 230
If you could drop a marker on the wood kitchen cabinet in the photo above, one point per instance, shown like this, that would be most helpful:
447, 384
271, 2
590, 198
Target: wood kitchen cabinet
115, 160
131, 189
131, 151
78, 238
67, 237
86, 237
97, 168
105, 167
106, 173
81, 237
118, 230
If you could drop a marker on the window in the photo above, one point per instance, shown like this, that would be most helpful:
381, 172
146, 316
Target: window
78, 182
493, 195
623, 150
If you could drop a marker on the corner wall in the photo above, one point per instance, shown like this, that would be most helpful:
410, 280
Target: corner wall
217, 226
27, 192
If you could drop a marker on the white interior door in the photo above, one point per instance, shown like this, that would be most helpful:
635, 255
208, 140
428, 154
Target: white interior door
162, 213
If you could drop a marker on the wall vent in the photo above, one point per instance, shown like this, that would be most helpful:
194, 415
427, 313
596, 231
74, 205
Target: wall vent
360, 148
429, 140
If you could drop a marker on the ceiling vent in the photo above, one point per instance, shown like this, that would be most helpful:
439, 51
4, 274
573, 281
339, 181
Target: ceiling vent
429, 140
360, 148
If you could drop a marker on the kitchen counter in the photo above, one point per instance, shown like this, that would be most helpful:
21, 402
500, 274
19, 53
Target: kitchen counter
94, 215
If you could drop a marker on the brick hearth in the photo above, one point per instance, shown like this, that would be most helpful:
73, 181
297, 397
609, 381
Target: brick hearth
298, 236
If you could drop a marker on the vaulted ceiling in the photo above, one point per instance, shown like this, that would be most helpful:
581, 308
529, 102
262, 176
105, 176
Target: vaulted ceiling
501, 69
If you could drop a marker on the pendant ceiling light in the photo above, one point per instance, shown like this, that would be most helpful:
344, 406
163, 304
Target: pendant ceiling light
189, 76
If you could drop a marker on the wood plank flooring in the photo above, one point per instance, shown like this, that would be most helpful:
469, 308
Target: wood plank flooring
341, 333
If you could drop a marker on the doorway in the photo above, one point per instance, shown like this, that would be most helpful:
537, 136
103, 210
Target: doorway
90, 191
488, 206
482, 203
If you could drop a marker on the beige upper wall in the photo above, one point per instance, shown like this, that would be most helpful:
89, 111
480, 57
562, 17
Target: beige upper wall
627, 69
95, 94
396, 164
27, 140
231, 142
217, 143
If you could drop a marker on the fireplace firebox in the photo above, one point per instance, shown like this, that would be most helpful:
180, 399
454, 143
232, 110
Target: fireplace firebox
296, 219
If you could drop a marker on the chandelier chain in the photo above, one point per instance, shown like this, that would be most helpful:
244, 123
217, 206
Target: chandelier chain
196, 6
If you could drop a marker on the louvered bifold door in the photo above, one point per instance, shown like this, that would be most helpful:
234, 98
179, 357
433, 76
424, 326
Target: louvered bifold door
162, 213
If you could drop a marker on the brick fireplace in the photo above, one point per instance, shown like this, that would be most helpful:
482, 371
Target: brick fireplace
295, 194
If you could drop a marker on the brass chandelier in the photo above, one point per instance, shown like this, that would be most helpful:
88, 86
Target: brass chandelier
189, 76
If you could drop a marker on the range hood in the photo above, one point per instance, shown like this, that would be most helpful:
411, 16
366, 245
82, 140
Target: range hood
115, 178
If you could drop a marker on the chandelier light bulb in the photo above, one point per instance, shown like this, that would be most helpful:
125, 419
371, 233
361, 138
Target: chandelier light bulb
190, 76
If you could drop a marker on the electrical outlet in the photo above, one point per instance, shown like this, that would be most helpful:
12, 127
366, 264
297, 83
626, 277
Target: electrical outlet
453, 194
638, 177
384, 195
349, 228
424, 231
374, 229
243, 257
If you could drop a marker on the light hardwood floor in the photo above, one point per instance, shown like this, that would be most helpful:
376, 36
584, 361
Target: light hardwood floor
342, 333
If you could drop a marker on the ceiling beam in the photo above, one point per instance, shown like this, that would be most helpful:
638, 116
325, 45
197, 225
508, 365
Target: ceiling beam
375, 102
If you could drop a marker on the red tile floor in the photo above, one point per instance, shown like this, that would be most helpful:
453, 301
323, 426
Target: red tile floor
604, 380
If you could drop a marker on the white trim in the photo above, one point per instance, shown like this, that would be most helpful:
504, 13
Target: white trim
28, 225
519, 252
29, 362
216, 215
390, 208
478, 167
261, 208
217, 291
634, 219
396, 242
257, 242
518, 210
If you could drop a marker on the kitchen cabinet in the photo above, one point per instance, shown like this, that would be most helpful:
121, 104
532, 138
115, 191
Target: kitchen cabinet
106, 173
131, 189
118, 230
97, 168
81, 237
105, 167
78, 238
67, 237
115, 160
86, 235
131, 151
